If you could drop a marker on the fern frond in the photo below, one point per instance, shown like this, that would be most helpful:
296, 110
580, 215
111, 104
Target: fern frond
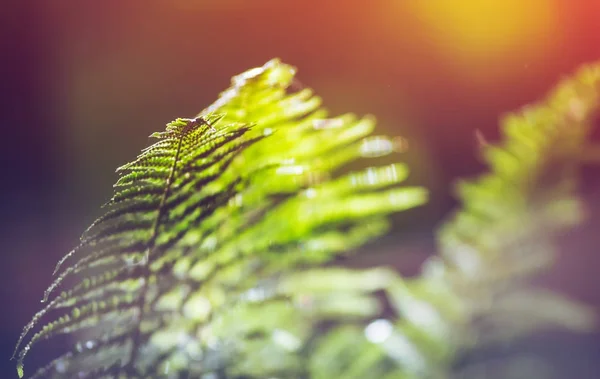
224, 206
511, 215
507, 228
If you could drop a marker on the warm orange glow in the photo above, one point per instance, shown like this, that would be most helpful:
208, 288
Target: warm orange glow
482, 27
490, 32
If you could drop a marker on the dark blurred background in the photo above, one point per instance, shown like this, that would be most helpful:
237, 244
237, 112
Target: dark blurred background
84, 83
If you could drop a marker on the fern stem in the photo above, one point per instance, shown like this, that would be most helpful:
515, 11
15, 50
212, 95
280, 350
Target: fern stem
136, 338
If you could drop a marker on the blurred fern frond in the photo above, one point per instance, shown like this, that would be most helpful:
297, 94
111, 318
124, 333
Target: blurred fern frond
511, 218
204, 263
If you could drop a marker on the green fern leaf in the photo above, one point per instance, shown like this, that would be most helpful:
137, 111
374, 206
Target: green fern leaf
507, 228
511, 215
209, 223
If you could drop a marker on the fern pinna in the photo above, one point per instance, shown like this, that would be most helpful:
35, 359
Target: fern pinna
202, 265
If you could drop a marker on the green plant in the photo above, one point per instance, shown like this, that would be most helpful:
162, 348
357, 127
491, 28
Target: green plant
208, 260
